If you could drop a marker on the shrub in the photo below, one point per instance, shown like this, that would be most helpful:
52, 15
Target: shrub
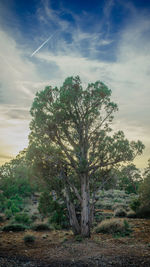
55, 226
8, 213
22, 218
34, 217
14, 208
114, 226
29, 239
99, 217
2, 218
59, 218
48, 206
2, 202
78, 238
119, 206
120, 212
131, 214
12, 186
14, 204
135, 204
144, 196
40, 227
46, 203
14, 227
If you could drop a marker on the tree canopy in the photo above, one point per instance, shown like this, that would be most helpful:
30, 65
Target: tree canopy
72, 139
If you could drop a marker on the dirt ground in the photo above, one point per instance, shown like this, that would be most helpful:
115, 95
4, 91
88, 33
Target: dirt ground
59, 248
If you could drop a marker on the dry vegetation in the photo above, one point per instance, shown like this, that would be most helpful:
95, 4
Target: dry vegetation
60, 248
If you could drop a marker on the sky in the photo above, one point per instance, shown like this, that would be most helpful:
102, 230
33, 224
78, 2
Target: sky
43, 42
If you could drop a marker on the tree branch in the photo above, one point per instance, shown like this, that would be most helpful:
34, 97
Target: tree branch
100, 124
72, 161
75, 191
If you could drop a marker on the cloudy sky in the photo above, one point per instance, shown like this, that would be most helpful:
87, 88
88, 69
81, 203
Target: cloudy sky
107, 40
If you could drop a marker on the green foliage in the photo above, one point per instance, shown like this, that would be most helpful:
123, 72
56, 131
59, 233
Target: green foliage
15, 186
15, 177
144, 195
144, 191
59, 218
28, 239
135, 204
22, 218
54, 226
130, 179
14, 208
58, 121
47, 204
70, 138
2, 219
114, 226
78, 238
14, 228
99, 217
8, 213
55, 210
13, 204
2, 202
34, 217
41, 227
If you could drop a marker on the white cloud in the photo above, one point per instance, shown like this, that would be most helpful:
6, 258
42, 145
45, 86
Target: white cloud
18, 82
128, 76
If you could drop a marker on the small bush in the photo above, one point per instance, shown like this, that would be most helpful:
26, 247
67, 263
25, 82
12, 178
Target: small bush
135, 204
131, 214
78, 238
2, 218
94, 224
40, 227
59, 218
34, 217
114, 226
119, 206
120, 212
14, 208
2, 202
14, 228
55, 226
22, 218
99, 217
29, 239
8, 213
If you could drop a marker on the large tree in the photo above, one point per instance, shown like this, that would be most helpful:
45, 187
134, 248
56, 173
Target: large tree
71, 129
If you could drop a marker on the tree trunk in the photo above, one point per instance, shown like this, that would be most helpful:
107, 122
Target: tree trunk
85, 208
92, 208
72, 215
91, 214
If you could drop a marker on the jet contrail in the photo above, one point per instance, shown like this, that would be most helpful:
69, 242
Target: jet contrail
41, 45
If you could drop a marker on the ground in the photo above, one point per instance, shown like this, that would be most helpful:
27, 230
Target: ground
59, 248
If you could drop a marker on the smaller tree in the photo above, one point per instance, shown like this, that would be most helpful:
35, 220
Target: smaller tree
129, 178
14, 177
144, 194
